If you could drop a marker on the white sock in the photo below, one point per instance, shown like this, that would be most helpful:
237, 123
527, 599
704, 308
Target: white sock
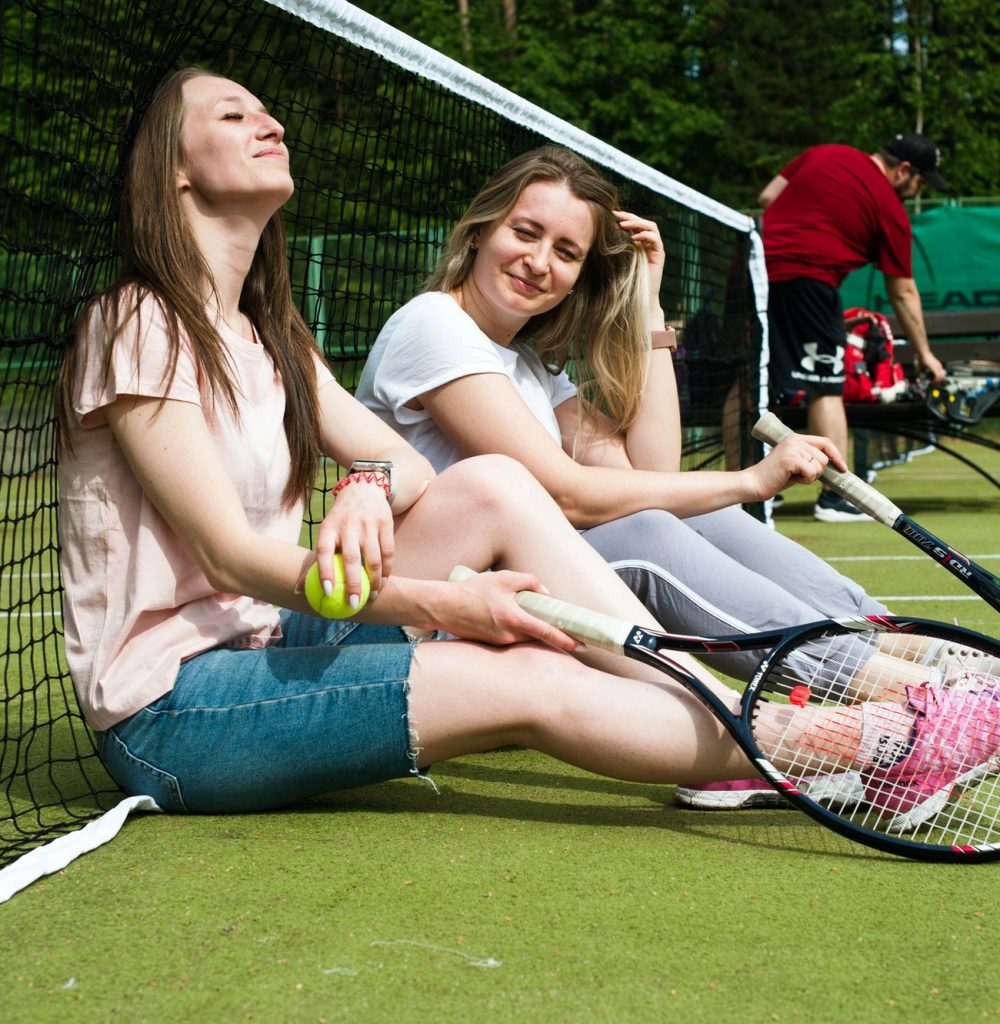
886, 735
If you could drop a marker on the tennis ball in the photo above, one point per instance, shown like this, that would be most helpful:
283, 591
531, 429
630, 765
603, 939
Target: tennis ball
335, 606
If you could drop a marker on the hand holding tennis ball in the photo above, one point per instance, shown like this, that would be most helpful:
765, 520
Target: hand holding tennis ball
335, 606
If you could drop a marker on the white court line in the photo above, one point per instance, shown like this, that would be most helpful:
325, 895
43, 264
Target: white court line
10, 574
838, 558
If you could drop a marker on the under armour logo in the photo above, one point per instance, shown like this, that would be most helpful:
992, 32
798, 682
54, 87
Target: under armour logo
812, 359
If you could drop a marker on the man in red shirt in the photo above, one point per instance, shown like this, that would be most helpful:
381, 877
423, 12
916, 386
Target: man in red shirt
831, 210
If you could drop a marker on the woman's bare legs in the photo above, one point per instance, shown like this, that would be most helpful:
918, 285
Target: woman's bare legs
886, 676
468, 697
490, 513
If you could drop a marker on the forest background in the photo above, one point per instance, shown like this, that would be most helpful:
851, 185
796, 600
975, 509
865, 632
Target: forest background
720, 94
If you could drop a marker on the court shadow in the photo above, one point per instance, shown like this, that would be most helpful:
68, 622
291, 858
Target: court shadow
926, 504
645, 806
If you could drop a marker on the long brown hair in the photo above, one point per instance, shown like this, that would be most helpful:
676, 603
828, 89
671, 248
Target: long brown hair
161, 259
602, 326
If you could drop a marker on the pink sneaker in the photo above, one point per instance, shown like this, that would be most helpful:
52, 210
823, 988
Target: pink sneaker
955, 742
842, 791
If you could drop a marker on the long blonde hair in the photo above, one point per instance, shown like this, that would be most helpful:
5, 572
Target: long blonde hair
160, 259
601, 327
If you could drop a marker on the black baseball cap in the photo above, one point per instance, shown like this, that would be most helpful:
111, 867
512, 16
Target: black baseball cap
919, 151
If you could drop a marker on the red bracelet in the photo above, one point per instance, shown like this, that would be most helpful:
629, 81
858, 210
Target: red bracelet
374, 476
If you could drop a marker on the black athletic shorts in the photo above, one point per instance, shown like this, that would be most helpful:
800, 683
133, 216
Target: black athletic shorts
807, 337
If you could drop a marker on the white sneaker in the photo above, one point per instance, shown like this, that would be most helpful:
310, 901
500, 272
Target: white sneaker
952, 659
731, 795
839, 792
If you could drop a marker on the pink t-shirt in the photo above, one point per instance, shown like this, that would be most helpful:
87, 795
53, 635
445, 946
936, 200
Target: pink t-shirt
136, 603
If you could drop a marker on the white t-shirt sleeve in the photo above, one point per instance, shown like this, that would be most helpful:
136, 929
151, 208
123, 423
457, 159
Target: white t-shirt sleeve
427, 343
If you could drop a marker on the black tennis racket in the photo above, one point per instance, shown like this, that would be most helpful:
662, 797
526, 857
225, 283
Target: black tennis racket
926, 786
771, 430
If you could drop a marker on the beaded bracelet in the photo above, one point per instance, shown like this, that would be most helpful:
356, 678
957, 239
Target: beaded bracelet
376, 477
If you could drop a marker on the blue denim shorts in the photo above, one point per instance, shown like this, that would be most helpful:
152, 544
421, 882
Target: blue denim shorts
256, 730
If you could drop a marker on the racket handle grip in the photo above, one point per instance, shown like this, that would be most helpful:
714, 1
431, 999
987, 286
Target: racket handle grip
771, 430
595, 629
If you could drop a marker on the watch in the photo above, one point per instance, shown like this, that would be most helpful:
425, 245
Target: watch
664, 339
385, 468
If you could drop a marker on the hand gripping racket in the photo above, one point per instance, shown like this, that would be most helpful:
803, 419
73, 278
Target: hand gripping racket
884, 729
771, 430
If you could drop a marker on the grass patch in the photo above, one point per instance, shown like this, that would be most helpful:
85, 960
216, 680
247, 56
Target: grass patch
529, 891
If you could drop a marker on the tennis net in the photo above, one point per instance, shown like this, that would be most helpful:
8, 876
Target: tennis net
390, 140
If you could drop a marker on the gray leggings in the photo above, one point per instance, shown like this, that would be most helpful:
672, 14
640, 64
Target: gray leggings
725, 572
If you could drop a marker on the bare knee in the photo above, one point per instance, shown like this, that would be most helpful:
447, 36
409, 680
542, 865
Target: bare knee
494, 485
549, 687
469, 697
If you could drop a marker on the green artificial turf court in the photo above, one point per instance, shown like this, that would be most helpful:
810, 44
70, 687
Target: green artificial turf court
528, 891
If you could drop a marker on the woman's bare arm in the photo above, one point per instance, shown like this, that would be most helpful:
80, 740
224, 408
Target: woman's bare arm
483, 413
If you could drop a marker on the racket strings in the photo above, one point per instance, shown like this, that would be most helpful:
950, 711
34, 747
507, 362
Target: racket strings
945, 783
926, 745
805, 745
834, 666
824, 671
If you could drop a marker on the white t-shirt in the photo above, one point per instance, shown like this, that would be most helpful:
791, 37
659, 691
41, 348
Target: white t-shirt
135, 602
431, 341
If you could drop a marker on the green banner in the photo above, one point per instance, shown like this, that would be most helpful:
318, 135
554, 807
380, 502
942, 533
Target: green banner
956, 263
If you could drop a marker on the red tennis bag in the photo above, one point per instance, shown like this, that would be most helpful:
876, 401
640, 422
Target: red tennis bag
872, 373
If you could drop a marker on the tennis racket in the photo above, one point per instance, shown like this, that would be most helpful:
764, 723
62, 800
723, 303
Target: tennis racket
922, 781
771, 430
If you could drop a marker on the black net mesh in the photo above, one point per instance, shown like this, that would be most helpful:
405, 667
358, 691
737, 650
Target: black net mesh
384, 160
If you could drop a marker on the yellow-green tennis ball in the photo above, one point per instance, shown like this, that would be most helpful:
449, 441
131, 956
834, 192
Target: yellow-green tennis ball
335, 606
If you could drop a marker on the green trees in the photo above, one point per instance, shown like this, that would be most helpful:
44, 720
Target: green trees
721, 93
